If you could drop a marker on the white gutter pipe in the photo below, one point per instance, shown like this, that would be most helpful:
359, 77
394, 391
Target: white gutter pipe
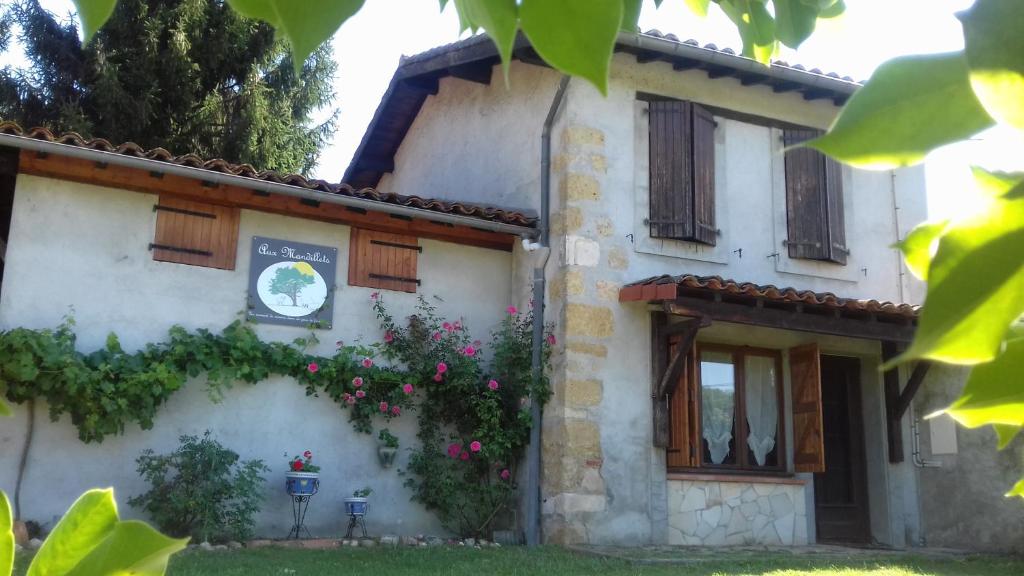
258, 185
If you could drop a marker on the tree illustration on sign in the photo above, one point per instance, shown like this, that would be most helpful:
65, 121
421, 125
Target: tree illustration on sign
291, 280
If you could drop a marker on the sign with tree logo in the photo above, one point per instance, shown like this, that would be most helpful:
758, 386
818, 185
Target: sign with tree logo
291, 283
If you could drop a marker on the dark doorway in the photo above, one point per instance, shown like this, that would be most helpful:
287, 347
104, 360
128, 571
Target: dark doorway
8, 175
840, 493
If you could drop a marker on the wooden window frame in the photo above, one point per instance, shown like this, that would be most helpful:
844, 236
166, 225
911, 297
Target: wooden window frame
740, 433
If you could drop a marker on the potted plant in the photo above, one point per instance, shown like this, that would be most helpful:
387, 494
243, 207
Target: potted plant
388, 448
303, 477
358, 504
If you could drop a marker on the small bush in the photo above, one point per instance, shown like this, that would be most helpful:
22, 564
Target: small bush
201, 490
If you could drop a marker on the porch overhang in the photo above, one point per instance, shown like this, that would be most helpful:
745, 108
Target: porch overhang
717, 299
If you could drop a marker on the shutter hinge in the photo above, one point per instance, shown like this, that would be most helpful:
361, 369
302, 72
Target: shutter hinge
179, 249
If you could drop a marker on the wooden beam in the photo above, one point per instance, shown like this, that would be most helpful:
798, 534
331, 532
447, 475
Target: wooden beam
790, 320
479, 72
753, 79
424, 85
720, 72
372, 164
913, 384
812, 94
688, 333
646, 56
685, 64
528, 55
85, 171
780, 87
891, 378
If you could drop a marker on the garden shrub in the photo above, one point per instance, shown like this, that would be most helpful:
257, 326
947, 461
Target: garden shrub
201, 490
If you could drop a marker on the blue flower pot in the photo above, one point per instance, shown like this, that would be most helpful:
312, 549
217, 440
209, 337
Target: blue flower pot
301, 483
356, 507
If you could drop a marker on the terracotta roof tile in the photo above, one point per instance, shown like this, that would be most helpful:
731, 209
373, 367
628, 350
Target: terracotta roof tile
248, 171
666, 287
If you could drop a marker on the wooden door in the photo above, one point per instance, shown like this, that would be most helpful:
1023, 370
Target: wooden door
840, 492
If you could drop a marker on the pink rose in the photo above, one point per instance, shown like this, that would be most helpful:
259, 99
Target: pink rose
339, 343
438, 377
505, 474
512, 310
395, 410
437, 336
383, 406
346, 396
469, 351
389, 337
442, 367
551, 340
360, 394
307, 454
367, 363
475, 446
493, 384
454, 449
357, 382
407, 388
457, 325
447, 326
351, 400
375, 296
464, 455
313, 367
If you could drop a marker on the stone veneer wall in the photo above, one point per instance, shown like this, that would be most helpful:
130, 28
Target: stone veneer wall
715, 513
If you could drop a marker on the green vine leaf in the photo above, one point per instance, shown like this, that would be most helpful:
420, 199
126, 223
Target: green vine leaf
93, 14
993, 394
1006, 433
305, 24
85, 525
1017, 490
499, 18
6, 536
796, 20
919, 245
975, 285
756, 27
576, 38
995, 54
910, 106
699, 7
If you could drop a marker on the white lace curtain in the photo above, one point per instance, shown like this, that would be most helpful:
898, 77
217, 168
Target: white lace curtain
762, 406
718, 391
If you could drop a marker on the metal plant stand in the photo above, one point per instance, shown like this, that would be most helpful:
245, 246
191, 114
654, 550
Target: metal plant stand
354, 521
300, 503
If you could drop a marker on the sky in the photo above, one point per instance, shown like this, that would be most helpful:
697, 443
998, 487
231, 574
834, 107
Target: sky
368, 48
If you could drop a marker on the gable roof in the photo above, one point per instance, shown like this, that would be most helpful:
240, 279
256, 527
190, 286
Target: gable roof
472, 59
246, 176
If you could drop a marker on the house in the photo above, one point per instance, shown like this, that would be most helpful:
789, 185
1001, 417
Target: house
710, 387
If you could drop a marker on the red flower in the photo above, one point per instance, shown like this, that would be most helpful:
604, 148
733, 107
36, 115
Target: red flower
464, 455
442, 367
505, 474
389, 337
437, 377
395, 410
297, 465
407, 388
307, 454
437, 336
374, 296
313, 367
551, 340
454, 449
469, 351
475, 446
383, 406
360, 394
512, 310
367, 362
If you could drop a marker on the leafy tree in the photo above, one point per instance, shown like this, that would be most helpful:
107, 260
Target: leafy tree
290, 281
186, 75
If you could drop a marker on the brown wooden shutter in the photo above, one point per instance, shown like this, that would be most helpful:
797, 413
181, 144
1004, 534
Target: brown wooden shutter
704, 176
809, 440
681, 452
814, 202
195, 233
682, 172
836, 227
383, 260
671, 181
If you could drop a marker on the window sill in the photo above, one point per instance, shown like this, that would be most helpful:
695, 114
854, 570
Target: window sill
739, 478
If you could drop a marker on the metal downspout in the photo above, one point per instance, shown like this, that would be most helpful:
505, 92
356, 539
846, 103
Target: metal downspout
537, 361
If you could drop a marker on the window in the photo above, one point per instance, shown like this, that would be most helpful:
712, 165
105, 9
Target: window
727, 411
195, 233
814, 202
682, 171
383, 260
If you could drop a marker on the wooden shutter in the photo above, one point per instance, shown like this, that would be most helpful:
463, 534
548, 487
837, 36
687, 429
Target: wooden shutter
704, 176
814, 202
383, 260
809, 441
683, 437
682, 172
671, 180
195, 233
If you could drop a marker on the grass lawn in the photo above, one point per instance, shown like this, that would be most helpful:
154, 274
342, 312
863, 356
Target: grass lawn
559, 562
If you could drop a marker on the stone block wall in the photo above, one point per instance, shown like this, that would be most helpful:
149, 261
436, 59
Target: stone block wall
714, 513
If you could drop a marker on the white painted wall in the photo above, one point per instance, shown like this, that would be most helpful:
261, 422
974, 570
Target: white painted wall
82, 248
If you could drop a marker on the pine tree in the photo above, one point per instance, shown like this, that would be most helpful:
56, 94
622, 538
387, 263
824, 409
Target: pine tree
185, 75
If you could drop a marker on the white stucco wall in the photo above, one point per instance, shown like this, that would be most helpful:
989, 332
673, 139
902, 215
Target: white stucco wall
83, 249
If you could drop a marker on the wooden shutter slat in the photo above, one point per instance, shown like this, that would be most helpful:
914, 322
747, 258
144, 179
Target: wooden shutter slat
704, 175
196, 226
836, 217
806, 206
808, 436
671, 203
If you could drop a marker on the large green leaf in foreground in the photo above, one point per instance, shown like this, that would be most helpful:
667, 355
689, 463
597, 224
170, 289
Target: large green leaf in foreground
910, 106
994, 43
6, 536
93, 13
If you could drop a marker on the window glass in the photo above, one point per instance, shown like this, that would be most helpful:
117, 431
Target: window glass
762, 409
718, 393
